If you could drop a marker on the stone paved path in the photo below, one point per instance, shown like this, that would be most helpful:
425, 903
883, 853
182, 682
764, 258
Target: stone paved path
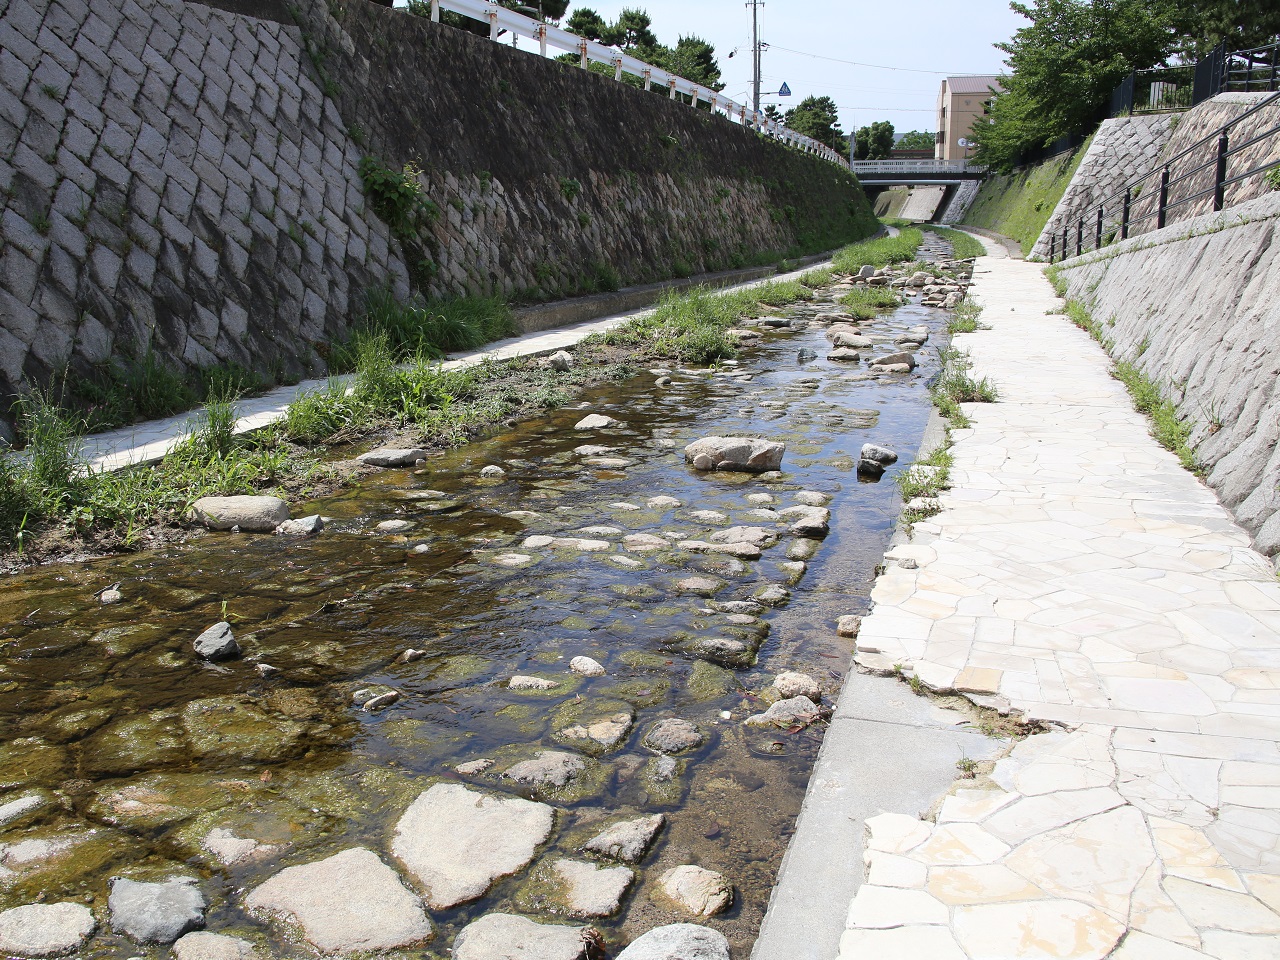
1078, 573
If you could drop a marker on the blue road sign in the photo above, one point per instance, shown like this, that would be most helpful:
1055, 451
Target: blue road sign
785, 91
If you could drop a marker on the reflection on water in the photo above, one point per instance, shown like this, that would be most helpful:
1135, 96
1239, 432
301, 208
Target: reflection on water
138, 752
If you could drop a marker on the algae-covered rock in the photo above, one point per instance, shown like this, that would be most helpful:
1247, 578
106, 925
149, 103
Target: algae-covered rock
135, 744
574, 888
662, 780
639, 691
32, 760
594, 726
707, 681
236, 729
158, 800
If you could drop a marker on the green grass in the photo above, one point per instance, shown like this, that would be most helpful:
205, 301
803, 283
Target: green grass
963, 246
690, 326
123, 392
925, 483
51, 483
433, 327
955, 386
864, 303
879, 252
965, 318
1019, 204
817, 278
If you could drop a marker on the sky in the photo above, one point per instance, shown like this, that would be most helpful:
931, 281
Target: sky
814, 45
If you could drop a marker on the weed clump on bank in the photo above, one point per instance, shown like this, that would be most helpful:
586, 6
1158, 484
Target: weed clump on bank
690, 326
879, 252
963, 246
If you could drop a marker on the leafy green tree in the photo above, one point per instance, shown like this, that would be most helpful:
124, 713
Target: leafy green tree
1200, 25
915, 140
692, 58
1063, 66
817, 117
632, 31
873, 142
585, 22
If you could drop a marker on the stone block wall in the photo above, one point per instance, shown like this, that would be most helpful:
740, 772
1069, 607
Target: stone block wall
172, 179
181, 179
1210, 337
960, 202
1122, 149
1128, 147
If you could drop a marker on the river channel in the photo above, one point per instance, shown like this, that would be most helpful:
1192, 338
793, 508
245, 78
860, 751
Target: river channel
138, 750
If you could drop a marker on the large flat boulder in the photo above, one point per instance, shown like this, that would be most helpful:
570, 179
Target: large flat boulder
257, 514
393, 456
678, 941
351, 902
45, 929
456, 841
156, 912
627, 841
504, 936
743, 454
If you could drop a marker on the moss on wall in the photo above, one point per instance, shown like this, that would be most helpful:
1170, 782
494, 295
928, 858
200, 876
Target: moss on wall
1019, 204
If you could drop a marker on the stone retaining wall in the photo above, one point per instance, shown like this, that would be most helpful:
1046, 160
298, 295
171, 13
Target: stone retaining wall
1122, 149
172, 179
1128, 147
184, 181
1195, 307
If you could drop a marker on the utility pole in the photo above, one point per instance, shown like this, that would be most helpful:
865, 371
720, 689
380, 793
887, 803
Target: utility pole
755, 6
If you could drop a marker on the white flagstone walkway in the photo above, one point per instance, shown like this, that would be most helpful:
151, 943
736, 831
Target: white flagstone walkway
1080, 574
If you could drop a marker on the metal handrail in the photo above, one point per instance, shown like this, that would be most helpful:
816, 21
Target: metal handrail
1125, 197
502, 18
917, 166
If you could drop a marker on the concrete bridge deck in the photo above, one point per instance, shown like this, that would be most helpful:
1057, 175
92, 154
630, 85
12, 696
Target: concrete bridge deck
1080, 575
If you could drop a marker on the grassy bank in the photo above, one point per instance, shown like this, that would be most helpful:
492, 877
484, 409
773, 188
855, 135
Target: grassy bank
50, 499
1019, 204
963, 246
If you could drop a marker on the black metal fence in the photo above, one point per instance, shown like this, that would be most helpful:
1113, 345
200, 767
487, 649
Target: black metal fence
1178, 88
1175, 184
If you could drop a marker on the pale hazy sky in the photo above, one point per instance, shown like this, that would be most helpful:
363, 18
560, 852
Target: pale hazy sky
923, 40
923, 35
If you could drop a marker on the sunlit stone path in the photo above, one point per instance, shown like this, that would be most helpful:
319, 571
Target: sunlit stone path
1080, 575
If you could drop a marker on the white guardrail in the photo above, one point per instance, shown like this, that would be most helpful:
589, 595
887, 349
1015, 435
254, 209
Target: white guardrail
917, 166
589, 51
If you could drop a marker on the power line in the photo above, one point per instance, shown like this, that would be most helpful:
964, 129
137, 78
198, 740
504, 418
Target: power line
876, 66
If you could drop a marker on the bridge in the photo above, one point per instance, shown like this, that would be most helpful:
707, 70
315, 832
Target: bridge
909, 172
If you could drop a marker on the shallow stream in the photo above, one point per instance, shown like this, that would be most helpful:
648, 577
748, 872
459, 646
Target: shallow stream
139, 750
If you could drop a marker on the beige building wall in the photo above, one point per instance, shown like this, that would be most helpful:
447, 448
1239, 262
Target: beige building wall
962, 102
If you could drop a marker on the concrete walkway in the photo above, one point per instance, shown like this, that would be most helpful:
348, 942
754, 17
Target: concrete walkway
150, 441
1080, 575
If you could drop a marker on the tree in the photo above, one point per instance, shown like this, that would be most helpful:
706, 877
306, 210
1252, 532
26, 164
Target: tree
873, 142
631, 31
692, 58
1064, 65
585, 22
1200, 25
772, 112
816, 117
916, 140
